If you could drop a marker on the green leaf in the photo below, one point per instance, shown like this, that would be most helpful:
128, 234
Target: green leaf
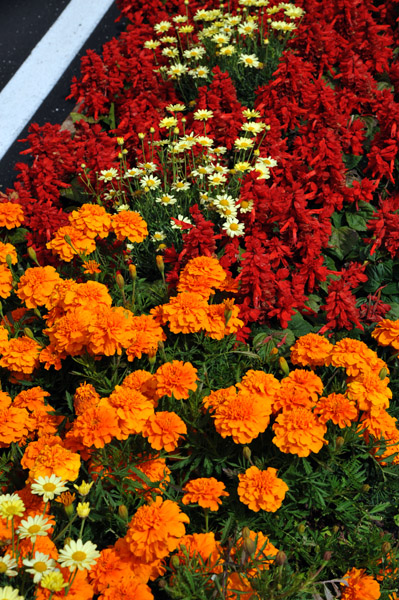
75, 116
342, 241
393, 314
18, 236
299, 326
356, 221
351, 160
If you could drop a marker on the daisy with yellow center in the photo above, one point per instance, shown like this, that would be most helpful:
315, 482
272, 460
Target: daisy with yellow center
48, 487
227, 50
162, 27
108, 174
151, 182
204, 140
217, 179
9, 593
11, 506
168, 123
166, 200
203, 115
77, 555
151, 44
39, 565
233, 228
199, 72
8, 566
33, 526
250, 60
175, 108
180, 186
243, 143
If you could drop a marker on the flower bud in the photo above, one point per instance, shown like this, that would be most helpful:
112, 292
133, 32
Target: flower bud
133, 271
9, 260
175, 562
245, 532
83, 509
29, 333
120, 281
284, 365
122, 512
160, 263
386, 547
249, 546
141, 136
152, 129
339, 442
301, 528
280, 558
365, 488
383, 373
327, 555
246, 451
335, 529
120, 141
32, 254
176, 130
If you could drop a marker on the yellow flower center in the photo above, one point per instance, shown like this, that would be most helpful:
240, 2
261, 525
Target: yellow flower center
244, 204
224, 202
233, 226
79, 556
40, 566
49, 487
34, 528
3, 567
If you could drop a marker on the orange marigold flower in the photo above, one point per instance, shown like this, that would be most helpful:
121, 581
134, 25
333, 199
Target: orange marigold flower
310, 350
261, 489
21, 355
155, 469
187, 313
69, 333
175, 379
92, 220
108, 331
202, 546
11, 215
205, 491
243, 416
5, 281
131, 408
218, 326
156, 530
369, 391
143, 382
217, 398
144, 336
91, 267
85, 295
238, 582
85, 397
129, 224
80, 243
387, 333
47, 456
354, 356
378, 423
336, 408
360, 586
15, 425
264, 385
36, 286
51, 358
200, 275
299, 388
3, 338
164, 430
11, 251
110, 568
128, 589
41, 422
96, 426
297, 431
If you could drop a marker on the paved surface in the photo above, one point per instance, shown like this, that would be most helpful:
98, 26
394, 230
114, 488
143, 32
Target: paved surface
22, 24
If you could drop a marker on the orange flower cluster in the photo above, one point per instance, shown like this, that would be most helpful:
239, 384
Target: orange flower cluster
92, 220
298, 431
354, 356
8, 249
36, 286
49, 456
14, 421
386, 333
176, 379
310, 350
369, 391
336, 408
201, 275
261, 490
5, 281
69, 241
129, 224
300, 388
360, 586
11, 215
205, 491
20, 356
164, 430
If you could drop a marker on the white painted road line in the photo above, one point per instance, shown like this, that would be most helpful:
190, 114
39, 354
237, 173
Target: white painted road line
34, 80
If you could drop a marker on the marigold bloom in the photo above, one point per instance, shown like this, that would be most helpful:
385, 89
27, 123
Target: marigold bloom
41, 422
200, 275
387, 333
51, 358
217, 398
380, 425
360, 586
354, 356
243, 417
164, 430
144, 382
131, 408
36, 286
153, 467
3, 338
264, 551
336, 408
80, 243
108, 332
69, 333
205, 491
84, 295
218, 326
92, 220
261, 489
369, 391
300, 388
264, 385
10, 250
176, 378
85, 397
297, 431
310, 350
144, 336
109, 569
15, 425
156, 530
129, 224
128, 589
11, 215
202, 546
187, 313
5, 281
91, 267
48, 456
96, 426
21, 355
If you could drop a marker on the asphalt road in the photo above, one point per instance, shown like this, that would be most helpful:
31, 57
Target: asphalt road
22, 25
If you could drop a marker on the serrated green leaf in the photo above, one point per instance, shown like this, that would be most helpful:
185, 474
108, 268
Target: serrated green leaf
18, 236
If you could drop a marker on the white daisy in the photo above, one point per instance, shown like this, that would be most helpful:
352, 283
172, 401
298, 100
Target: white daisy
108, 174
33, 526
11, 506
9, 593
166, 199
177, 70
151, 182
233, 228
162, 27
203, 115
199, 72
48, 486
217, 179
77, 555
8, 566
182, 219
250, 60
133, 172
39, 565
180, 186
243, 143
158, 236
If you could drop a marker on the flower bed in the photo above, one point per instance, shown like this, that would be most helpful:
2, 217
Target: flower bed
199, 330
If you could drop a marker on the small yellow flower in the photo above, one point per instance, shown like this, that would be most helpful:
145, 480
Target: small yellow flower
84, 488
53, 581
83, 509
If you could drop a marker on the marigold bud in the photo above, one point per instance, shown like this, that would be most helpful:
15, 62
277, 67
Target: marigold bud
152, 129
133, 271
29, 333
386, 547
280, 559
249, 545
83, 509
246, 451
9, 260
32, 254
301, 528
327, 555
122, 512
383, 373
175, 562
335, 529
120, 281
120, 141
160, 263
176, 130
339, 442
274, 351
141, 136
245, 532
365, 488
284, 365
